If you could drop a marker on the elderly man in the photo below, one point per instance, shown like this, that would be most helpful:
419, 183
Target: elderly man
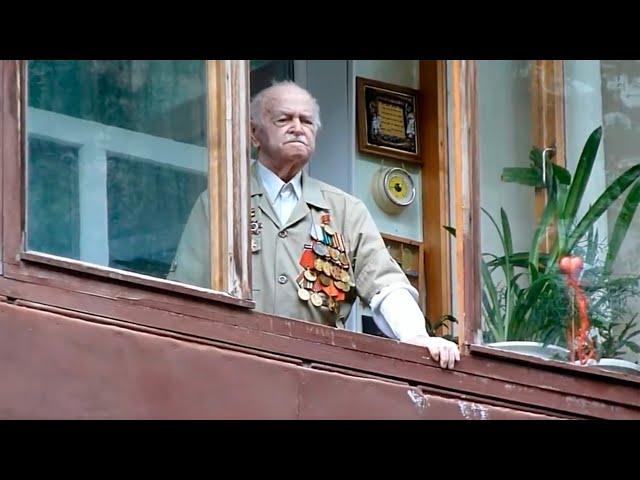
314, 247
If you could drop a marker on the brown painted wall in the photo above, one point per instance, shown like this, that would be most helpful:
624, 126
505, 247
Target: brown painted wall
58, 367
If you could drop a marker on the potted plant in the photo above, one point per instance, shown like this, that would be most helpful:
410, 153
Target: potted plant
535, 302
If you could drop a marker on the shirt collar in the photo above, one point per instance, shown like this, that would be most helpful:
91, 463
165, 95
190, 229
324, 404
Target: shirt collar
273, 184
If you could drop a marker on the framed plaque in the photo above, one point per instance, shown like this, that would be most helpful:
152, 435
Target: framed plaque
388, 122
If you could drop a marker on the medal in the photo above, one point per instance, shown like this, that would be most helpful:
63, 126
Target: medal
304, 294
256, 228
307, 258
256, 244
326, 268
336, 273
331, 290
324, 280
316, 299
320, 249
310, 276
333, 305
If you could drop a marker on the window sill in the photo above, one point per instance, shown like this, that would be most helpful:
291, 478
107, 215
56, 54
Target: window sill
134, 278
549, 364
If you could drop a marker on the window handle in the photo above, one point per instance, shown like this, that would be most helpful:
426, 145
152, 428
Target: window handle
544, 163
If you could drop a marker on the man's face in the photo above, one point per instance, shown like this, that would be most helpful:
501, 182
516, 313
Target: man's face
286, 135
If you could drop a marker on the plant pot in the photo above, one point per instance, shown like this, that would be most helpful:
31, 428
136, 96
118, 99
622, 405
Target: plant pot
535, 349
616, 365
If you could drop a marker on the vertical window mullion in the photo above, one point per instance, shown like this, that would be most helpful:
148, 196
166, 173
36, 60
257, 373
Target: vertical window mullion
227, 131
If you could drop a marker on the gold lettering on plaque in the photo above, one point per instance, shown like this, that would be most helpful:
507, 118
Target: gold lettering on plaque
391, 120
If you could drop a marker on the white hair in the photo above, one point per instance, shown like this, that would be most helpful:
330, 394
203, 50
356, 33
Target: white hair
257, 103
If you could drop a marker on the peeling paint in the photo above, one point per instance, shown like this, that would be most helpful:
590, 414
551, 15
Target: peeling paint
420, 401
585, 404
473, 411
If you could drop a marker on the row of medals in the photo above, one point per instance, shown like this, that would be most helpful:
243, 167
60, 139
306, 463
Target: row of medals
325, 279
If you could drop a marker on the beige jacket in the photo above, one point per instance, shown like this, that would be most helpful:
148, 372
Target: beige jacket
277, 249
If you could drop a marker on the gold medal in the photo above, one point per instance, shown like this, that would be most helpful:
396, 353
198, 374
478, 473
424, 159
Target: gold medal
334, 254
318, 264
325, 279
304, 294
316, 299
326, 268
344, 276
336, 272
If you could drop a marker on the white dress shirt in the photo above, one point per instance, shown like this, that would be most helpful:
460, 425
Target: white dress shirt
282, 196
395, 308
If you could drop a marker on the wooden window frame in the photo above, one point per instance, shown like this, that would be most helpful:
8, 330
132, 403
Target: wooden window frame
548, 130
467, 200
435, 188
465, 162
228, 124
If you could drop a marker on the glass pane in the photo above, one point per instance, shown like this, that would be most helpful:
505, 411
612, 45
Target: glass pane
116, 158
265, 72
578, 300
53, 184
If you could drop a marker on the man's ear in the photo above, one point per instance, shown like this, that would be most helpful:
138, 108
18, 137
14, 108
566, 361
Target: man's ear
254, 138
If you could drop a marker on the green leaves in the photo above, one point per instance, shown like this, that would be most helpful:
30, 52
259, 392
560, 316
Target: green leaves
523, 176
583, 172
602, 204
613, 344
532, 302
622, 225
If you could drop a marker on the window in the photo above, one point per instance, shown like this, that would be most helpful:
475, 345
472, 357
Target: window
102, 163
265, 72
117, 154
558, 172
